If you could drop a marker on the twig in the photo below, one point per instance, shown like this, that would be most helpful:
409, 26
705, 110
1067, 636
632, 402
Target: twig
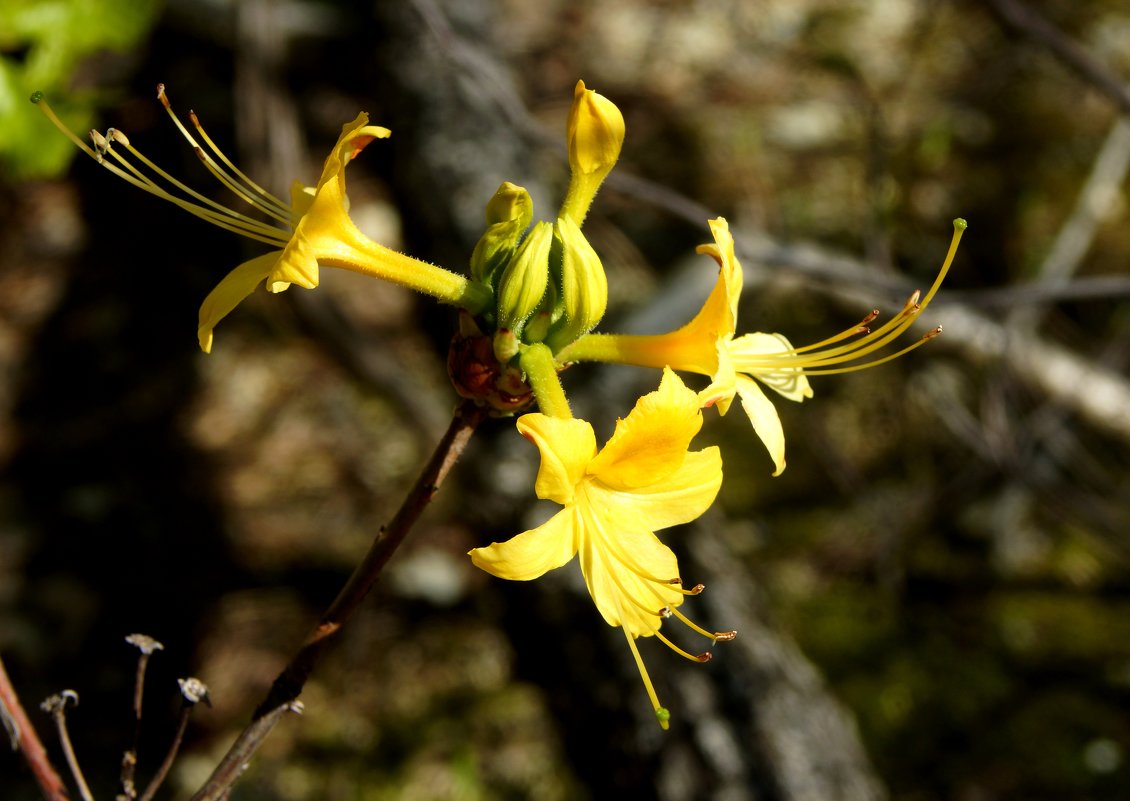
193, 691
286, 688
1075, 236
146, 645
56, 706
24, 738
1023, 19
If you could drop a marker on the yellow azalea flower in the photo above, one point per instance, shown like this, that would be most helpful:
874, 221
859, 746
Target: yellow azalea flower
313, 229
737, 365
614, 500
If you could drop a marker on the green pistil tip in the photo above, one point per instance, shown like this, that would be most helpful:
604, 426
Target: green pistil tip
663, 716
960, 224
36, 97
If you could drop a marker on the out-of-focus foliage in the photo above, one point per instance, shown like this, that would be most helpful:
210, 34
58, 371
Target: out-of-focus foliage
43, 44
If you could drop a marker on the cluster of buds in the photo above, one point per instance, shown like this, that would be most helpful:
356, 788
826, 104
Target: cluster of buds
548, 282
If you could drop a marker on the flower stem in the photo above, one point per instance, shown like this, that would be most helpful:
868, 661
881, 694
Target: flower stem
541, 374
288, 685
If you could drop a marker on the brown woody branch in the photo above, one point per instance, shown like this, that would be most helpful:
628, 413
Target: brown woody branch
284, 693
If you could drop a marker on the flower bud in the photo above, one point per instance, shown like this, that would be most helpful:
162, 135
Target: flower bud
584, 287
524, 280
595, 134
508, 214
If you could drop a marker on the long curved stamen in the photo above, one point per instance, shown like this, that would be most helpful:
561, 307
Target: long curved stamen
661, 714
267, 197
265, 202
207, 209
716, 636
705, 656
872, 341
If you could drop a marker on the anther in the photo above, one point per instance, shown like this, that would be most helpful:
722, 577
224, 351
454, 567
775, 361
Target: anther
101, 145
696, 589
665, 612
724, 636
161, 95
118, 136
705, 656
932, 334
192, 116
870, 318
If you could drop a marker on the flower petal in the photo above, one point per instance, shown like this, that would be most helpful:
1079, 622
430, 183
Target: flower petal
680, 498
567, 447
651, 443
228, 294
753, 354
532, 553
765, 421
628, 571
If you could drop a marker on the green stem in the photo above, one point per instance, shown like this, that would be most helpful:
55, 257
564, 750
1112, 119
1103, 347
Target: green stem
541, 374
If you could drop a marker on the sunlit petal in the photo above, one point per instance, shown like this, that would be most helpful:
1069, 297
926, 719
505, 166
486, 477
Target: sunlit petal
681, 497
652, 441
765, 421
749, 354
532, 553
567, 447
230, 292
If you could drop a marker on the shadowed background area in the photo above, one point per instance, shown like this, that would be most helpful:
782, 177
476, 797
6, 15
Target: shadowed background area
933, 600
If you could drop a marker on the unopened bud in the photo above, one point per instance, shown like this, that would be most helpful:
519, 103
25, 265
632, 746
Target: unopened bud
584, 287
595, 134
525, 278
508, 215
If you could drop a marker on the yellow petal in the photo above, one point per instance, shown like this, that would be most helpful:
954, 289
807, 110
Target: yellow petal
679, 498
594, 131
532, 553
753, 354
627, 570
765, 421
228, 294
651, 443
567, 446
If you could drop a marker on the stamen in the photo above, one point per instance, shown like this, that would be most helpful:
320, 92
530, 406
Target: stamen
705, 656
716, 636
267, 196
661, 714
812, 358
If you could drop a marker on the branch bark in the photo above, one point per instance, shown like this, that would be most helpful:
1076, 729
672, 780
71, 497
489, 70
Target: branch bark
289, 683
25, 739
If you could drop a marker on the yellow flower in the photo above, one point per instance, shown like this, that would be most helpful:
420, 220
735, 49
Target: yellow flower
614, 500
737, 365
313, 229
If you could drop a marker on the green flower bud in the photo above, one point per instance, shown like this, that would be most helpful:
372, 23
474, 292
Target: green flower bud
584, 287
508, 215
525, 278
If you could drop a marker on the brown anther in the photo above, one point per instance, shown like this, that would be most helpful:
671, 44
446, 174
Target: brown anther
870, 318
705, 656
724, 636
665, 612
161, 95
932, 334
696, 589
192, 116
118, 136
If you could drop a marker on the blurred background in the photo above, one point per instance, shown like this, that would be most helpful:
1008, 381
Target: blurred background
933, 601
